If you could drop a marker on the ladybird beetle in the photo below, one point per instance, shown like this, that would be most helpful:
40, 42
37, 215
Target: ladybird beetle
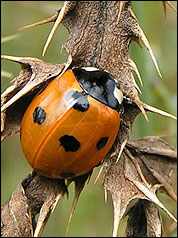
70, 126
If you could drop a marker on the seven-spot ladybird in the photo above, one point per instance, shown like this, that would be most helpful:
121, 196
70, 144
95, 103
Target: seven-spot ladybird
70, 126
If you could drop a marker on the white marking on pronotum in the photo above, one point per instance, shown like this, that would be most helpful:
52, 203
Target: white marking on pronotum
90, 68
118, 94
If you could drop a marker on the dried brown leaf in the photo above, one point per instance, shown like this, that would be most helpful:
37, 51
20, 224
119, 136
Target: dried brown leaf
121, 190
144, 220
12, 223
154, 145
154, 221
33, 73
136, 223
132, 178
149, 191
33, 76
36, 194
45, 212
157, 160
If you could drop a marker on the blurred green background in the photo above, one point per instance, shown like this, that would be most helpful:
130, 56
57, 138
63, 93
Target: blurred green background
93, 217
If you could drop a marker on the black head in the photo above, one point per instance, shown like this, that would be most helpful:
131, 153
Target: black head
99, 84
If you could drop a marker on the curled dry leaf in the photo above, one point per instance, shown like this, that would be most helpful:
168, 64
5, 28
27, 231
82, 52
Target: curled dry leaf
154, 221
34, 75
13, 223
36, 194
137, 176
144, 220
45, 212
160, 169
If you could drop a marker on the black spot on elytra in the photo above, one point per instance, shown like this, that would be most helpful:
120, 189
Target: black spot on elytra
67, 175
73, 95
70, 143
82, 104
39, 115
101, 143
78, 99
